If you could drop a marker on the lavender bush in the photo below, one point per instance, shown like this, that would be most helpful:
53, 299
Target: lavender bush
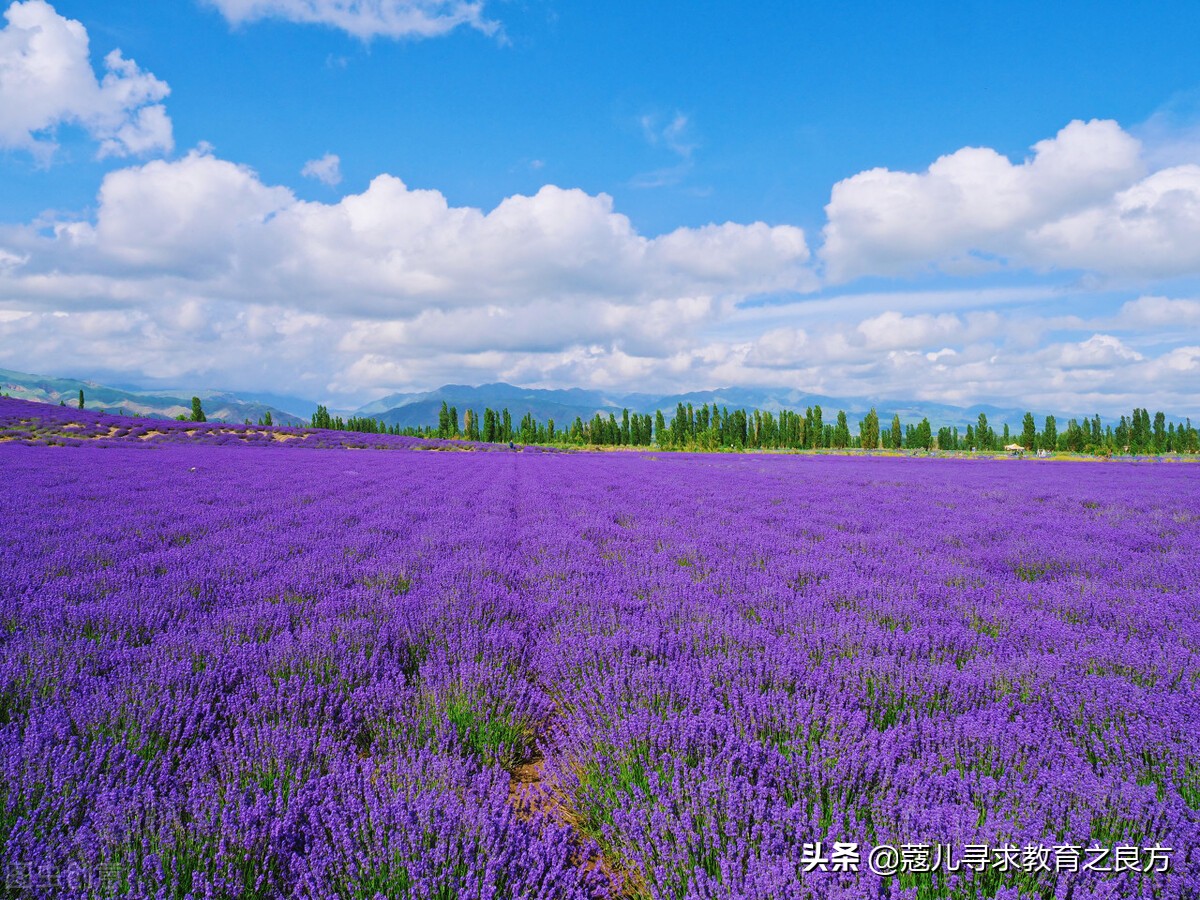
229, 673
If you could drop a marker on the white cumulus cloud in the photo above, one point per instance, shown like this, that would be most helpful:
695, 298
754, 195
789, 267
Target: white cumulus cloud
46, 80
894, 331
1157, 312
1151, 228
1082, 201
973, 201
390, 271
198, 271
1098, 351
190, 218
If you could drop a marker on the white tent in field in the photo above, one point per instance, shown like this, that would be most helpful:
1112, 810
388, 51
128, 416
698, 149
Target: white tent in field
1014, 448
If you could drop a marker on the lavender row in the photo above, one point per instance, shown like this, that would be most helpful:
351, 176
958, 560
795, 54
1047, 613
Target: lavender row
230, 673
803, 651
41, 424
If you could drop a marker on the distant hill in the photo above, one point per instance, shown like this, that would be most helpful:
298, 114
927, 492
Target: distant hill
409, 410
219, 406
562, 405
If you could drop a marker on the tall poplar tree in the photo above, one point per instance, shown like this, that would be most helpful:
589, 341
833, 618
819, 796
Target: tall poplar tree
1049, 439
984, 436
1028, 431
1160, 432
841, 432
868, 431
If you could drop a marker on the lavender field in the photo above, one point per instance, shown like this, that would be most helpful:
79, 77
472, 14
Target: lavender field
260, 671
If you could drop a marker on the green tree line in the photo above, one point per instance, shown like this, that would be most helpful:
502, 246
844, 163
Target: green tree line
707, 428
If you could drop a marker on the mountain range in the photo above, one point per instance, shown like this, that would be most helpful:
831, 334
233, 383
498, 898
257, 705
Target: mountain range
565, 404
224, 406
422, 408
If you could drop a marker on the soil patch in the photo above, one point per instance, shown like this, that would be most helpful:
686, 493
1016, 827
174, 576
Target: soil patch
531, 794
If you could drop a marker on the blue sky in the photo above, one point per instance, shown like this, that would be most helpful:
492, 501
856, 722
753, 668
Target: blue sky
962, 202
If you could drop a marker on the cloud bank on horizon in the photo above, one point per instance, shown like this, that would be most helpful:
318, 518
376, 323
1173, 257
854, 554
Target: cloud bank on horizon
1060, 280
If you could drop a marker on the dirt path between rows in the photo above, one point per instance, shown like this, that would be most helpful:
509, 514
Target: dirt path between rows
531, 793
